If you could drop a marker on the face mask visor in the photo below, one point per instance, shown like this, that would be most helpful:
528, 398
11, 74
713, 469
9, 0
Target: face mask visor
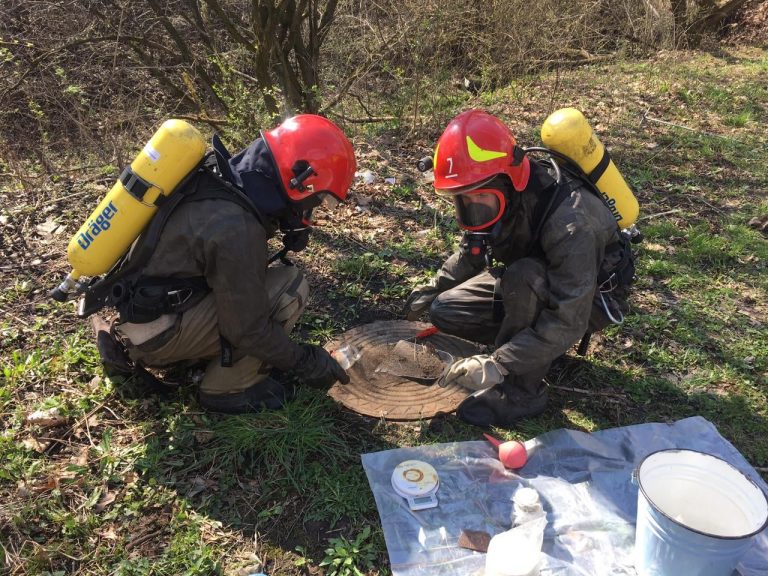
479, 209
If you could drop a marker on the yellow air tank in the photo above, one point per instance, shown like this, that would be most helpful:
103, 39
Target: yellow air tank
568, 132
172, 152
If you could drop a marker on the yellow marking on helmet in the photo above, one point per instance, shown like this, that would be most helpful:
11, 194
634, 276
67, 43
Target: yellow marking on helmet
479, 155
434, 158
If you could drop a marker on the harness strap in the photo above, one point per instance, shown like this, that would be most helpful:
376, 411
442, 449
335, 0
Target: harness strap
282, 256
497, 273
544, 211
128, 269
600, 169
134, 184
150, 298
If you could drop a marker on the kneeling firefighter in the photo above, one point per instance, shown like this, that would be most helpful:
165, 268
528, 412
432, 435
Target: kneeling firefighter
198, 284
542, 264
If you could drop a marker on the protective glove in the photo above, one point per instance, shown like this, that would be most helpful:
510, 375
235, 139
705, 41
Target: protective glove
475, 373
318, 368
419, 301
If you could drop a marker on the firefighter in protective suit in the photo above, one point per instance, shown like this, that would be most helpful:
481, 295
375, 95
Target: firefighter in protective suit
552, 239
208, 292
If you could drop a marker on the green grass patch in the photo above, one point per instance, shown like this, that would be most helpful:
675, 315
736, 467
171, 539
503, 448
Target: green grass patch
132, 483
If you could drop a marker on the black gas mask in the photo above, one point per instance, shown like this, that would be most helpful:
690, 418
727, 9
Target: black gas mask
296, 223
479, 212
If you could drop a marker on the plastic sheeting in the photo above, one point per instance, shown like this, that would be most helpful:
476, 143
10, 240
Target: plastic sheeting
584, 481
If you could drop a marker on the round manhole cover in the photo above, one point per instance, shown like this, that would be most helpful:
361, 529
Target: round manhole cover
385, 395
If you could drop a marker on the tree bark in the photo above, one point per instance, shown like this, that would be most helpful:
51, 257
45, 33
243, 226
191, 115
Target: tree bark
715, 18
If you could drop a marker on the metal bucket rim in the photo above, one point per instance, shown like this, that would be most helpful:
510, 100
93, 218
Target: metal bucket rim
671, 519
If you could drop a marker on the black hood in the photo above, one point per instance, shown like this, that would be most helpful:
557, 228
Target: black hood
253, 171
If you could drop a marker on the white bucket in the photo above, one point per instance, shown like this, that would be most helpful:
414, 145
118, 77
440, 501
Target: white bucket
696, 515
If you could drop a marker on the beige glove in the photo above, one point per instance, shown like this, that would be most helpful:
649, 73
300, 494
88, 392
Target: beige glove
475, 373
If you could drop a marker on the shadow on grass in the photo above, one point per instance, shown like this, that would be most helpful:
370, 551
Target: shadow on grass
587, 396
288, 480
292, 479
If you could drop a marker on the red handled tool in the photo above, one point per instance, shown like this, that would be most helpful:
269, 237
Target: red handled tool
427, 332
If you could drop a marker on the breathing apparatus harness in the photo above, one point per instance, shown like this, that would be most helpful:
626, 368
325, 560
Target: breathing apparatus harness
477, 248
623, 271
141, 298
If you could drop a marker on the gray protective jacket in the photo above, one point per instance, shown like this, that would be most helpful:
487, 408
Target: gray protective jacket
226, 244
572, 245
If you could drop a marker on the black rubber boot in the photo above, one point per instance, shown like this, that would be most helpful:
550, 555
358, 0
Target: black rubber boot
503, 404
269, 394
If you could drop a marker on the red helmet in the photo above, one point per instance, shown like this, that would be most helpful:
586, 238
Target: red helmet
474, 148
313, 156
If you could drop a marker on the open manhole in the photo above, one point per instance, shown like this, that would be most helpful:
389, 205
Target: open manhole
389, 350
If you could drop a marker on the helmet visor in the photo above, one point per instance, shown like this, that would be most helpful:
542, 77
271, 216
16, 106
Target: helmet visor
479, 209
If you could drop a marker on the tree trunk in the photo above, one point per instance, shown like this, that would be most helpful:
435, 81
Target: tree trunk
714, 18
680, 14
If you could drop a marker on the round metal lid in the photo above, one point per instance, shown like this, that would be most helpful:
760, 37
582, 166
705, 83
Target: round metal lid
384, 395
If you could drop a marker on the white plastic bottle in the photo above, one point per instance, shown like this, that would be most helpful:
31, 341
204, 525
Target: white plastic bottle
517, 552
527, 506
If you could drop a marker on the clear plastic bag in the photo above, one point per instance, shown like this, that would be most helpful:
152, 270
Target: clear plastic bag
517, 552
346, 355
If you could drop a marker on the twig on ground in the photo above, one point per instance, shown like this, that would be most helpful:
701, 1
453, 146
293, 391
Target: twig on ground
649, 216
589, 392
215, 122
715, 208
646, 118
8, 314
141, 539
71, 429
369, 120
73, 195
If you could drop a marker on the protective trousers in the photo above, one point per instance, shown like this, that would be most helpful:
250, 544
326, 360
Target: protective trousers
195, 335
470, 311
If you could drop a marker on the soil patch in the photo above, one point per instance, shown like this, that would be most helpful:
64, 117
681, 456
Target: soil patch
410, 360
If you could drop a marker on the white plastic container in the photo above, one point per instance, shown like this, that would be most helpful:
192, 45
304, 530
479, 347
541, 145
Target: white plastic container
517, 552
696, 515
526, 507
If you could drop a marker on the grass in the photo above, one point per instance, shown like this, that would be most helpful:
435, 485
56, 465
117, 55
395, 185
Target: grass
133, 483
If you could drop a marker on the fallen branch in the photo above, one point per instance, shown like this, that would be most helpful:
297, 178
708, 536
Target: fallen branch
647, 118
369, 120
141, 539
589, 392
212, 121
83, 420
715, 208
649, 216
